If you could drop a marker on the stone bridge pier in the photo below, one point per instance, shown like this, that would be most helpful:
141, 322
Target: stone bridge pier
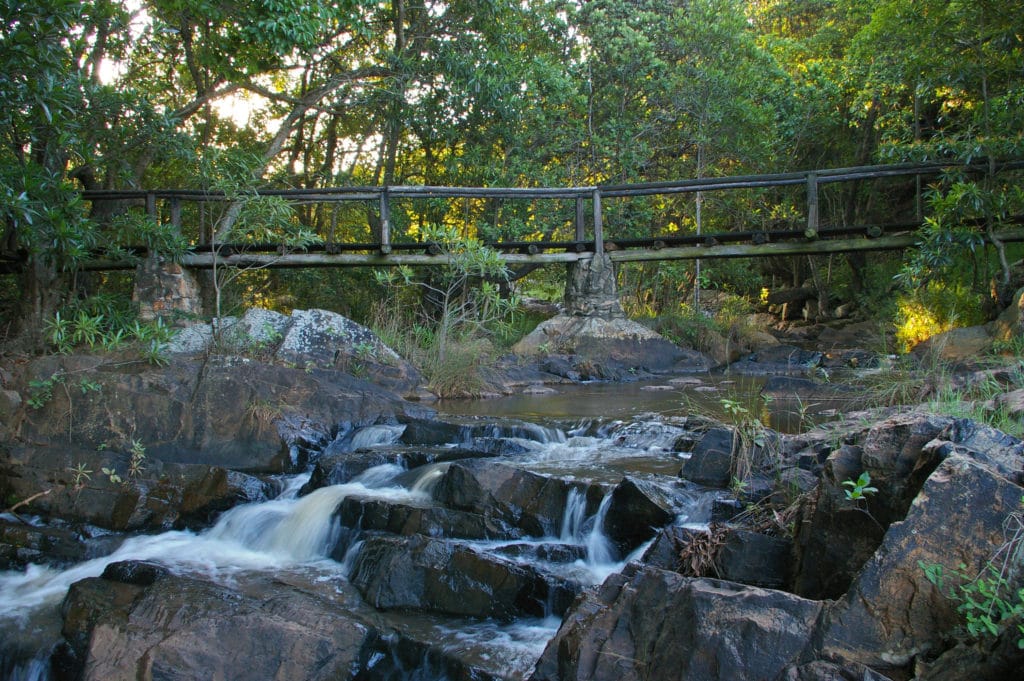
591, 289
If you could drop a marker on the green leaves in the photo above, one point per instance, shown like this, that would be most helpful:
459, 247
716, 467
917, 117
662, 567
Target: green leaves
859, 488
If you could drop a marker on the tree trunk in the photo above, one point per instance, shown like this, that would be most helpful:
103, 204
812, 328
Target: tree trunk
43, 288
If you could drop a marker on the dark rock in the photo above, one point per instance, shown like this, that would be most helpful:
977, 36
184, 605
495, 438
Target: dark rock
420, 573
533, 503
664, 551
180, 628
710, 462
755, 559
724, 510
637, 509
21, 544
406, 519
835, 537
822, 670
777, 359
892, 613
652, 624
137, 572
982, 443
998, 660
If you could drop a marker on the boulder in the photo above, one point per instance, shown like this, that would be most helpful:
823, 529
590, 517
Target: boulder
964, 344
381, 515
892, 613
638, 508
533, 503
778, 359
651, 624
180, 628
755, 559
441, 576
607, 349
710, 461
994, 448
1010, 323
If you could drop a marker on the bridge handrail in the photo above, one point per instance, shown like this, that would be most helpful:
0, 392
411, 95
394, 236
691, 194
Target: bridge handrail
811, 179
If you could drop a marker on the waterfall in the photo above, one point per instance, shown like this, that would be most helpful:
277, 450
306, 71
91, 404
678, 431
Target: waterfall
574, 516
599, 549
426, 481
375, 436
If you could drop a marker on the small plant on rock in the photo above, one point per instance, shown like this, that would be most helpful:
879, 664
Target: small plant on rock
860, 489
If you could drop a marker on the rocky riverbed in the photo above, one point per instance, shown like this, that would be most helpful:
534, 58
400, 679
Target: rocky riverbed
275, 516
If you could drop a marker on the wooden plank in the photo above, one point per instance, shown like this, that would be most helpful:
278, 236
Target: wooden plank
821, 246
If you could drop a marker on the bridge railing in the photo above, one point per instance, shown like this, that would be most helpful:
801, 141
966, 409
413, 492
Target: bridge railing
167, 204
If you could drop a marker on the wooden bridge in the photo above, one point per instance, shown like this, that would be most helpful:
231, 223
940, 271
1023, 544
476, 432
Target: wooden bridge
810, 234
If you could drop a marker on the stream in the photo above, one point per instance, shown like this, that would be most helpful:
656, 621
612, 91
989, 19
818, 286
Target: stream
585, 437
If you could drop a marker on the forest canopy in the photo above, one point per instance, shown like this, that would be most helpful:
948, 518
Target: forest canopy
240, 96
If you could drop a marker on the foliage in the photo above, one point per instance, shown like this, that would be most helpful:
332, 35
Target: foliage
860, 488
932, 308
464, 299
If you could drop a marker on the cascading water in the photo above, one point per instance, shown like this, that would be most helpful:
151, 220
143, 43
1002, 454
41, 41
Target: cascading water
292, 533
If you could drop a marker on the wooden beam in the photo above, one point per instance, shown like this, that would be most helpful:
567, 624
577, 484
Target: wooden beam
820, 246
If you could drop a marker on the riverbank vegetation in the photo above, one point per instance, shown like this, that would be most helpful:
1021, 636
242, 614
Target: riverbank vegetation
108, 94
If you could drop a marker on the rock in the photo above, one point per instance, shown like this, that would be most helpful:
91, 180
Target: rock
380, 515
10, 406
21, 544
1010, 323
181, 628
755, 559
193, 339
822, 670
710, 462
638, 508
778, 359
608, 349
324, 339
1010, 403
440, 576
994, 448
892, 613
651, 624
533, 503
956, 345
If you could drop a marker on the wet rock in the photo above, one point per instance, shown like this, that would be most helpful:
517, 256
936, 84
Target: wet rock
420, 573
533, 503
779, 359
137, 572
892, 613
367, 514
180, 628
650, 624
637, 510
22, 543
710, 461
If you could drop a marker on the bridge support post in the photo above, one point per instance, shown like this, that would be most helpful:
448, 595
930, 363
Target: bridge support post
165, 290
591, 289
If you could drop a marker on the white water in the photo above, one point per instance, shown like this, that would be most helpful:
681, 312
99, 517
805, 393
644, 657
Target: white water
273, 535
290, 532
